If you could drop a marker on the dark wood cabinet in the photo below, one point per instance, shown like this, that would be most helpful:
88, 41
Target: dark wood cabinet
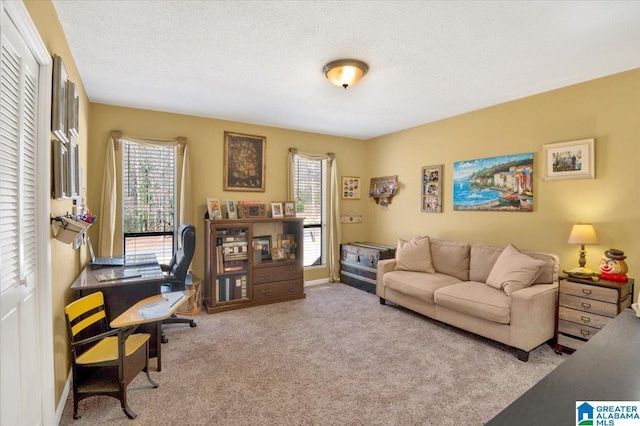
238, 276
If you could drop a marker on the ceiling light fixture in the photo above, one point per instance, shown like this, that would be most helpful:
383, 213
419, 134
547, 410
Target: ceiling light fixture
345, 72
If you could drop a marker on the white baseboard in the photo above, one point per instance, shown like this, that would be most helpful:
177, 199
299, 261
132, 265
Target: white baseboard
316, 282
63, 399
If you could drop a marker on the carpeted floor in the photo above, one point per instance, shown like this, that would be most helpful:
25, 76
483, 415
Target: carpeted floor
337, 357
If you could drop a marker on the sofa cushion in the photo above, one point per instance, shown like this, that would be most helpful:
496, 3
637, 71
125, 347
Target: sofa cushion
475, 299
451, 258
417, 284
483, 257
414, 255
514, 270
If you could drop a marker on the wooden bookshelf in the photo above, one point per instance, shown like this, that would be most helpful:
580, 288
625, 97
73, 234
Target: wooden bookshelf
236, 278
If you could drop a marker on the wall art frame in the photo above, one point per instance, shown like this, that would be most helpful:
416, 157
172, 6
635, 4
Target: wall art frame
73, 109
503, 183
59, 99
569, 160
351, 187
431, 200
60, 184
244, 162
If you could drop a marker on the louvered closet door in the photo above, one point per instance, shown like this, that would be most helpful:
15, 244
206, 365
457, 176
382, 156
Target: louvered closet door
20, 393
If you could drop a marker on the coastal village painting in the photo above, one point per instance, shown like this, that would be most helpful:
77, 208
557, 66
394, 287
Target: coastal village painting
494, 184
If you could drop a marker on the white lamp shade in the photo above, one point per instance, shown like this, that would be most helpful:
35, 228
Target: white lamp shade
583, 234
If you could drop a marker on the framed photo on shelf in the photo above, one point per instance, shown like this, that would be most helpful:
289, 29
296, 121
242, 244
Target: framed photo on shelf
569, 160
213, 207
276, 210
231, 210
431, 200
59, 101
351, 187
244, 162
289, 208
265, 246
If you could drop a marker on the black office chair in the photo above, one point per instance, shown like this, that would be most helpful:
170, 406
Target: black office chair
176, 270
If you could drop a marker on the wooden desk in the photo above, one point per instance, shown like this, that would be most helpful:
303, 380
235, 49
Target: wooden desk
602, 370
120, 295
152, 309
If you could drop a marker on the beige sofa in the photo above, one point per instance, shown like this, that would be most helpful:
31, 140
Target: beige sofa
510, 297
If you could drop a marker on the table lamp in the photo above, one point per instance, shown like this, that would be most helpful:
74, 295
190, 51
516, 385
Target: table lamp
583, 234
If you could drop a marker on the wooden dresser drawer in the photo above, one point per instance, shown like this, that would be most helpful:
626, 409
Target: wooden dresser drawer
271, 274
582, 317
276, 290
589, 305
589, 291
584, 331
570, 341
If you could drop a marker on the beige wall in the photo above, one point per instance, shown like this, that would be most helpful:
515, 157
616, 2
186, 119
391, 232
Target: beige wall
65, 262
606, 109
205, 140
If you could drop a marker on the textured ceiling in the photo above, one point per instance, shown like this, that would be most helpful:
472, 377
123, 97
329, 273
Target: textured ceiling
261, 62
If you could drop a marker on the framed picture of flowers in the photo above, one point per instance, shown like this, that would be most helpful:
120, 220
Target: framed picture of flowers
244, 162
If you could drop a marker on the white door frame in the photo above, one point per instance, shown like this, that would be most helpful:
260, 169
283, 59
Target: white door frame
20, 16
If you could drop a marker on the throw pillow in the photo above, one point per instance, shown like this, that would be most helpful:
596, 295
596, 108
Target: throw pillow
514, 270
414, 255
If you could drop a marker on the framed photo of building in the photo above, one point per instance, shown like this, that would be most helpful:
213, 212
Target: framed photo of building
351, 187
569, 160
244, 162
431, 200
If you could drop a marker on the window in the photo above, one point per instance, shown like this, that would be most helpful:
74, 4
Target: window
148, 199
310, 183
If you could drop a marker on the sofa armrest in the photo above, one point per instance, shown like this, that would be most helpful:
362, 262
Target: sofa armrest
533, 315
384, 266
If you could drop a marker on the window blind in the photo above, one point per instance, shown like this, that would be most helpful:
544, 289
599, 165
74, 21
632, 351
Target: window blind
148, 198
309, 192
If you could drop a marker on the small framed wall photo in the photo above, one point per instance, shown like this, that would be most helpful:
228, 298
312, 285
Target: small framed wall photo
232, 213
431, 201
244, 162
289, 209
276, 210
351, 187
213, 207
569, 160
59, 102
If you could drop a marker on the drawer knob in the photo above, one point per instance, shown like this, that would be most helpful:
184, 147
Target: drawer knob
585, 333
586, 291
586, 319
586, 305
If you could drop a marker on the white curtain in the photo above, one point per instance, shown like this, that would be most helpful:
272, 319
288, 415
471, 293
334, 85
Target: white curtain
333, 219
109, 208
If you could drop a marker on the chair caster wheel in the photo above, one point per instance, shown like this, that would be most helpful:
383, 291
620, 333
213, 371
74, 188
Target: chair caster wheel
192, 324
163, 339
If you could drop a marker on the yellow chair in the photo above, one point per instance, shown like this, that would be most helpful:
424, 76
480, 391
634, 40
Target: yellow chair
105, 361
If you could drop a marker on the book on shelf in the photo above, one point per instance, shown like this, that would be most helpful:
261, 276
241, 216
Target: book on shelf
250, 202
234, 265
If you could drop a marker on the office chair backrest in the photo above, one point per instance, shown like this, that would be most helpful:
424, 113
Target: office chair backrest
181, 260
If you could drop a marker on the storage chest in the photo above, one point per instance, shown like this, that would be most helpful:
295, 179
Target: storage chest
359, 263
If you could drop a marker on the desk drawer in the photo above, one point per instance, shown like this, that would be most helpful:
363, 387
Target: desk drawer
277, 290
589, 291
263, 275
583, 318
573, 329
589, 305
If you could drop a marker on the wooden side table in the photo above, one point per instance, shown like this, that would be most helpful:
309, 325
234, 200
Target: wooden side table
585, 307
194, 305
